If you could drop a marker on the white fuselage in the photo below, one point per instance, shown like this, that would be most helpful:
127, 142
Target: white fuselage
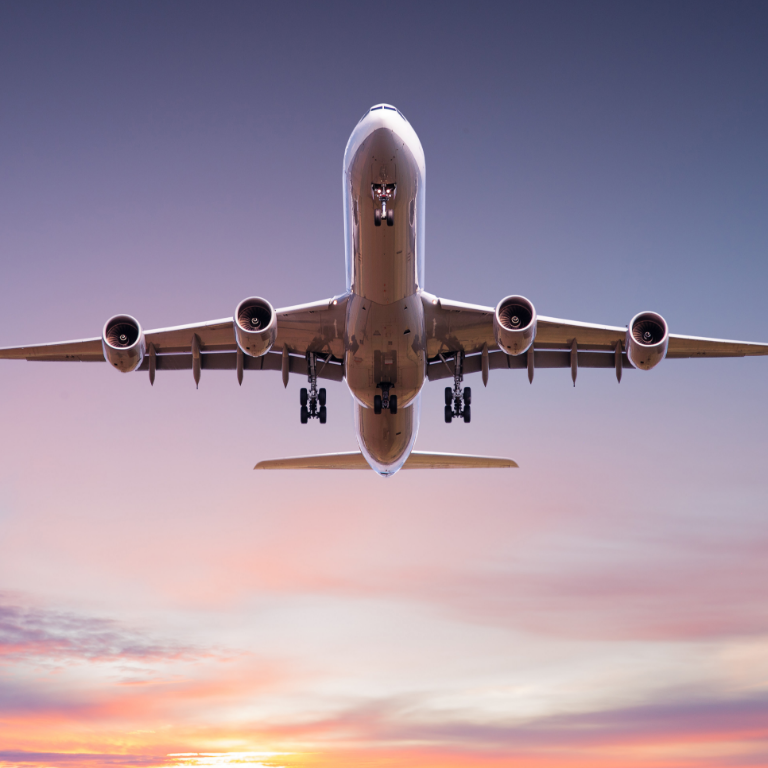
385, 335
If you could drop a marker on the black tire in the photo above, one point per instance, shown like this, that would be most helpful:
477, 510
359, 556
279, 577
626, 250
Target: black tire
303, 396
377, 404
321, 396
448, 414
304, 414
393, 404
390, 218
377, 217
467, 395
467, 414
323, 414
448, 396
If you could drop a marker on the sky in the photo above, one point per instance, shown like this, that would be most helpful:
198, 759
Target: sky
604, 605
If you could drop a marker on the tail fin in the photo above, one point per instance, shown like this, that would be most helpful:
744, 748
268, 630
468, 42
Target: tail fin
417, 460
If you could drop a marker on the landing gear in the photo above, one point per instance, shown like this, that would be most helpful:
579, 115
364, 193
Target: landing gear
457, 400
385, 401
383, 195
313, 400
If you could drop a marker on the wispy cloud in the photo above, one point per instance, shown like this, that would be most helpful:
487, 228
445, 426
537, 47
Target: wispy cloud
46, 635
11, 759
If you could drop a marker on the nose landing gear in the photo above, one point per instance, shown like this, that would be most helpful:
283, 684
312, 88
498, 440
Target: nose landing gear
313, 401
383, 194
457, 400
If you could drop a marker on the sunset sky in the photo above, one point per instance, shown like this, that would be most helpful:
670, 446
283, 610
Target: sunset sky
603, 606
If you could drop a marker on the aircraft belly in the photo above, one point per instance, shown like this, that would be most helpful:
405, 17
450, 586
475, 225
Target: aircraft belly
384, 260
386, 440
385, 345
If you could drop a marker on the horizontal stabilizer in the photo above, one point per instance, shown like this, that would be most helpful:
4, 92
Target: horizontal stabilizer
417, 460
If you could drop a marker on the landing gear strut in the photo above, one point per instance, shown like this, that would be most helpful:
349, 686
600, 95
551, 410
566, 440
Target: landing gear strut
458, 400
385, 401
312, 401
383, 194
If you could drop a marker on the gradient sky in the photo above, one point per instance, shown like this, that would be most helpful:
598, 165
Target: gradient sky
606, 605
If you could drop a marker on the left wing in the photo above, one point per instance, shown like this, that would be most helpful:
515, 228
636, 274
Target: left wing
317, 327
454, 326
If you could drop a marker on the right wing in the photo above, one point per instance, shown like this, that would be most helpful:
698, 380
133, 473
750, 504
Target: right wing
317, 327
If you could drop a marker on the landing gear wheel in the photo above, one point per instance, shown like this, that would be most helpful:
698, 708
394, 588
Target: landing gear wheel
323, 414
448, 396
390, 218
303, 396
377, 217
393, 404
467, 414
377, 404
304, 414
448, 414
321, 396
467, 395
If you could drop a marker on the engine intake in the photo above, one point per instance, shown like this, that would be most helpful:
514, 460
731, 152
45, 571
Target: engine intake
647, 340
514, 324
123, 343
255, 326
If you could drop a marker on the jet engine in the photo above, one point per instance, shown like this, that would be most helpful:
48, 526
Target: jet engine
647, 340
123, 343
255, 326
514, 324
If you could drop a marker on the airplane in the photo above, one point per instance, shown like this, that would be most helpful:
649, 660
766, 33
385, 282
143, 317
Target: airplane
385, 335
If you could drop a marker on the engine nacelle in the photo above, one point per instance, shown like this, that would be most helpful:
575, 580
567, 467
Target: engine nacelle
123, 343
647, 340
514, 324
255, 326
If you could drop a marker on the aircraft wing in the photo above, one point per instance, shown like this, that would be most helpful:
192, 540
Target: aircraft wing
452, 326
317, 327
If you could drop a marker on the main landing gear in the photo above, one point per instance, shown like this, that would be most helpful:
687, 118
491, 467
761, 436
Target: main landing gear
312, 401
385, 401
458, 401
383, 194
